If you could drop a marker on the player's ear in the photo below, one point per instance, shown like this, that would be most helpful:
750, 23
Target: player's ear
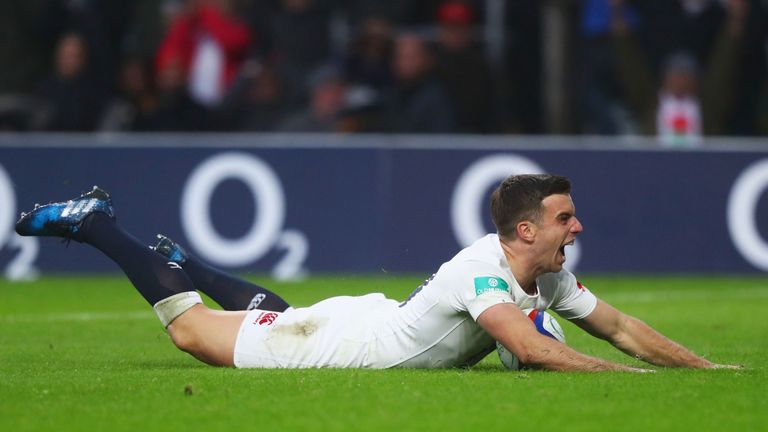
526, 230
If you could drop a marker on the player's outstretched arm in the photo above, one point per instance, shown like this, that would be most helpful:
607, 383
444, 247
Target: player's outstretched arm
638, 339
508, 325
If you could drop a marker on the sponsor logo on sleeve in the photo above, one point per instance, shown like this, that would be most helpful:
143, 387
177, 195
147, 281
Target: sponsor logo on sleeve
580, 286
490, 283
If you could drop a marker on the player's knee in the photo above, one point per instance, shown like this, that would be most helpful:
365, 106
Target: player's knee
186, 338
208, 336
184, 330
192, 340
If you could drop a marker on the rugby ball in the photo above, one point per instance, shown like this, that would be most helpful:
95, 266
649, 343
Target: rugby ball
545, 323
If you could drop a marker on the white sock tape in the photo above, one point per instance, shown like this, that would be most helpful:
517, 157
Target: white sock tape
168, 309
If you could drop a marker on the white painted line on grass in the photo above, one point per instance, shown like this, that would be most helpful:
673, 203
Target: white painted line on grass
738, 293
78, 316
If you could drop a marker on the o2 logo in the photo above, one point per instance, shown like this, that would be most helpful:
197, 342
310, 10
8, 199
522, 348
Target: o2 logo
21, 266
742, 214
265, 233
469, 197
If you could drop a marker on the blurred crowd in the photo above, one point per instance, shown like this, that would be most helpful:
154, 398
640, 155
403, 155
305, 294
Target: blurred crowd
678, 69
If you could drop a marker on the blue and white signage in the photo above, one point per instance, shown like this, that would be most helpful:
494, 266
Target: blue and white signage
362, 207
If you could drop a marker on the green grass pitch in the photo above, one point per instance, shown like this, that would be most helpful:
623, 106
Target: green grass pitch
88, 354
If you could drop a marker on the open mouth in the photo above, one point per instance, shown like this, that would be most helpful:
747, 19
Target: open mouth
562, 248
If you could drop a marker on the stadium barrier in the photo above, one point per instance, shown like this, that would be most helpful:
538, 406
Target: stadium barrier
289, 204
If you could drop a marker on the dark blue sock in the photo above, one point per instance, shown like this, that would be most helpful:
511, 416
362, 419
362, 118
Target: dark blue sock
230, 292
150, 273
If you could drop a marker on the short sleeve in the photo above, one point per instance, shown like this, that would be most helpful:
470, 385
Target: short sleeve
486, 300
572, 299
478, 286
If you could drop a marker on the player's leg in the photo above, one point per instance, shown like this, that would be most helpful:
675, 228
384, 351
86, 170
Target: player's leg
228, 291
90, 219
208, 335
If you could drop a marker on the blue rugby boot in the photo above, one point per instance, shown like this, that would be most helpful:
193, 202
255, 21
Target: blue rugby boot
170, 249
64, 219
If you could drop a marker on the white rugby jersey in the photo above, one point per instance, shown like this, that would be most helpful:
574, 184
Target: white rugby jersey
434, 328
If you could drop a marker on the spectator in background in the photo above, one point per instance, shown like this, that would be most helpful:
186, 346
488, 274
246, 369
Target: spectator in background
176, 109
209, 44
133, 107
368, 61
73, 98
464, 70
689, 101
255, 102
327, 90
101, 24
361, 111
417, 102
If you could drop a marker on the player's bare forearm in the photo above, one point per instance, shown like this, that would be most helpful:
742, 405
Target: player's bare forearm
638, 339
546, 353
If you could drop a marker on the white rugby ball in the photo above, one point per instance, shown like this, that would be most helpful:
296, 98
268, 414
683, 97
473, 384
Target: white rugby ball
545, 323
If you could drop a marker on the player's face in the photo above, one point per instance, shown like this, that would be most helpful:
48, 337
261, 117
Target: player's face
557, 228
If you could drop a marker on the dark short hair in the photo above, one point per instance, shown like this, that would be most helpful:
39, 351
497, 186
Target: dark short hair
519, 197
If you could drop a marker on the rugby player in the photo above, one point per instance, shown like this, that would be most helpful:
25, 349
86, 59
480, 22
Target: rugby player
454, 319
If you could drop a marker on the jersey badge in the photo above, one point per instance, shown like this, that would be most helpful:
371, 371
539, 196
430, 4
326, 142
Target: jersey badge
490, 283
